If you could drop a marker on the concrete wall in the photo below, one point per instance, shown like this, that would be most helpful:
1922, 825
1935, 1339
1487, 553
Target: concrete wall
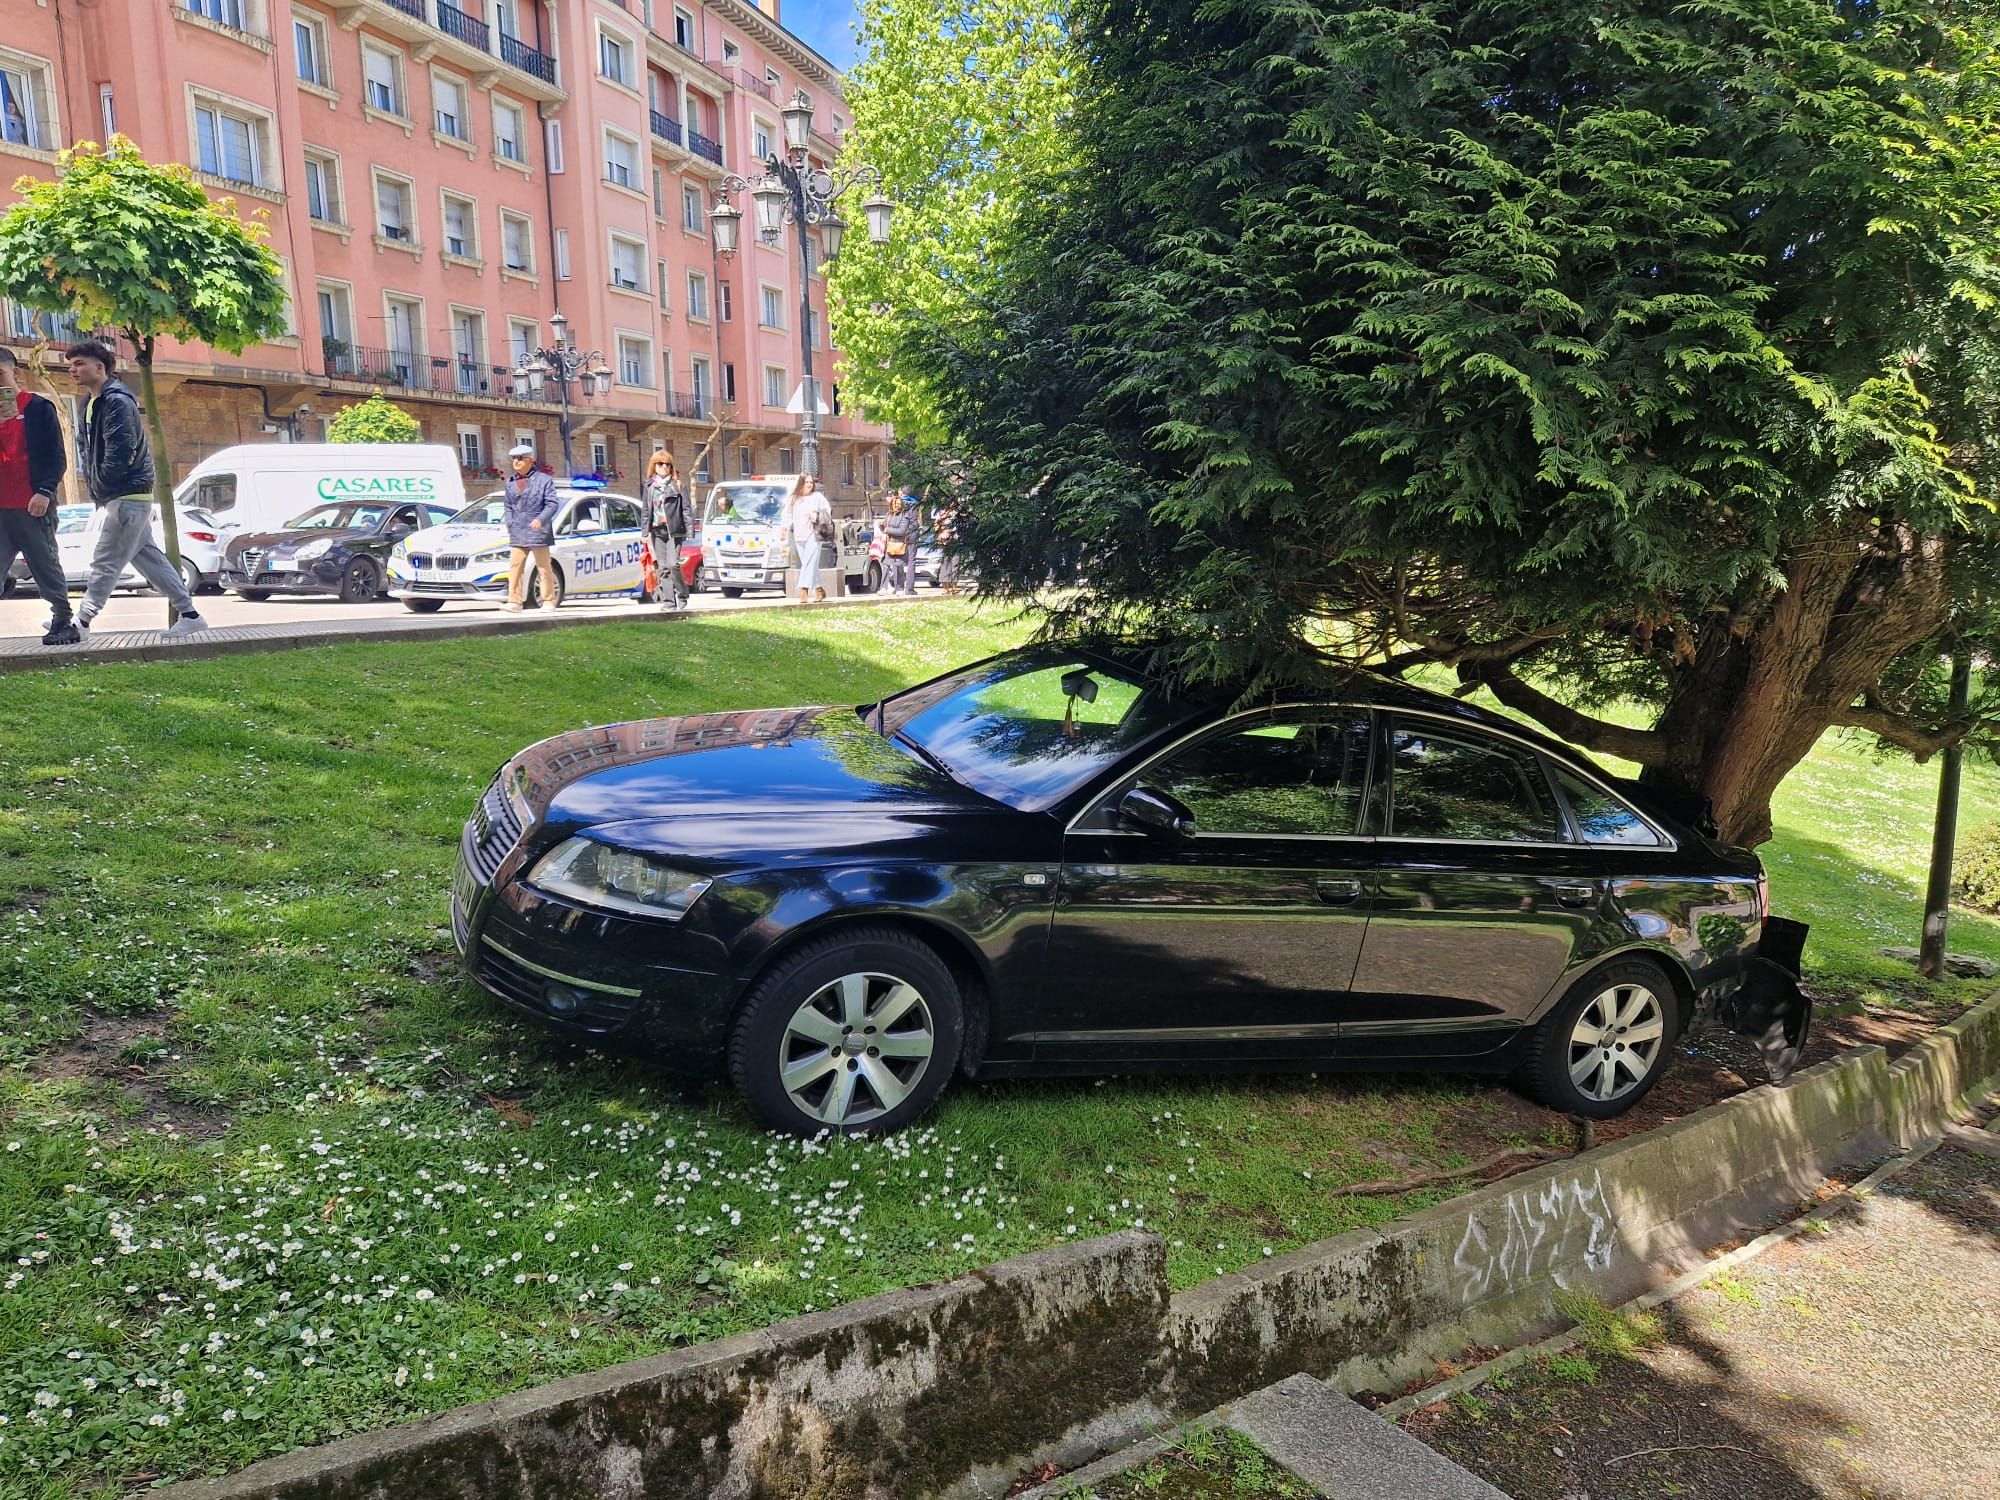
954, 1389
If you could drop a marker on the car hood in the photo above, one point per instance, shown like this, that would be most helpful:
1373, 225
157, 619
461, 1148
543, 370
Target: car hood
758, 763
290, 541
454, 537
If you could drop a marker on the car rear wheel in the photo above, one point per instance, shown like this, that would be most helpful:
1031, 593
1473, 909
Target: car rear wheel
190, 577
699, 583
535, 599
423, 606
855, 1034
359, 583
872, 583
255, 596
1606, 1044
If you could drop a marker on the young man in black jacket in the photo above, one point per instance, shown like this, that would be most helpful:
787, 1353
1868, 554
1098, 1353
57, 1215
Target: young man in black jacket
116, 462
32, 464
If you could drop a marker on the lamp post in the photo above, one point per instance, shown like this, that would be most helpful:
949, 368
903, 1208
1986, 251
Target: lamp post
793, 191
562, 362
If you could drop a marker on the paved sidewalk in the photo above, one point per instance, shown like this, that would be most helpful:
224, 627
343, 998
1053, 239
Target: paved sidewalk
323, 623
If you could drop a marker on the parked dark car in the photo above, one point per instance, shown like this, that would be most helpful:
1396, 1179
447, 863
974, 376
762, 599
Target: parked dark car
340, 548
1052, 862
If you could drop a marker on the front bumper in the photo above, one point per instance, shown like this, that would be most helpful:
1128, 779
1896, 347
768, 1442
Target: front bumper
305, 582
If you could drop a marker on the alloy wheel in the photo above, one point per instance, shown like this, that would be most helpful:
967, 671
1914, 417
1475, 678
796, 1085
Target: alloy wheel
857, 1048
1616, 1042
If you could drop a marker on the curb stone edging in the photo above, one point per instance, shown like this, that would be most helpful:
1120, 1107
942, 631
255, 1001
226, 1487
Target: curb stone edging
1068, 1353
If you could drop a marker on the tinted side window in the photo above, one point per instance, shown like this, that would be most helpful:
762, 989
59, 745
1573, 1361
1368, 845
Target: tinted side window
1456, 785
1601, 816
1293, 776
624, 515
216, 493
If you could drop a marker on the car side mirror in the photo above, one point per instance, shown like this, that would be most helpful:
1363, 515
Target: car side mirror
1156, 812
589, 525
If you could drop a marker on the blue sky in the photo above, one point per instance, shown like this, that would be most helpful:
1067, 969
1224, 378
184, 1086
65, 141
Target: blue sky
823, 26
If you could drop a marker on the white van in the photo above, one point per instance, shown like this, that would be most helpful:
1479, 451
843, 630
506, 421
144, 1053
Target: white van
262, 486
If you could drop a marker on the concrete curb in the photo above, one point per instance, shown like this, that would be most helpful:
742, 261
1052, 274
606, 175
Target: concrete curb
1066, 1354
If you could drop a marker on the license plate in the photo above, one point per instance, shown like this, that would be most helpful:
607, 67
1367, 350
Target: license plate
423, 575
750, 575
282, 565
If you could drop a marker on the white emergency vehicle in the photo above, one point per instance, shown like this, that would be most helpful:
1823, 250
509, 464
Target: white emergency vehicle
746, 543
597, 546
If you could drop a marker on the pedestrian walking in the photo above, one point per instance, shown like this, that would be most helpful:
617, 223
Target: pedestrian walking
531, 507
899, 544
666, 528
811, 517
116, 462
32, 464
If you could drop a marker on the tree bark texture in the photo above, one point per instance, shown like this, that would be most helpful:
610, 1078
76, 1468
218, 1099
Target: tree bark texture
163, 477
1944, 833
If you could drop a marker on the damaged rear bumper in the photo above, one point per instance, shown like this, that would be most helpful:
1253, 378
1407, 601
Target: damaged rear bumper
1769, 1007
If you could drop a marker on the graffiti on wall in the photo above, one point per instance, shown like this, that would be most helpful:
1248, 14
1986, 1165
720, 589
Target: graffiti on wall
1544, 1231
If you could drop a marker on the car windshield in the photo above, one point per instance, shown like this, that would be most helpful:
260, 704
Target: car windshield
754, 504
1029, 728
71, 519
337, 518
487, 510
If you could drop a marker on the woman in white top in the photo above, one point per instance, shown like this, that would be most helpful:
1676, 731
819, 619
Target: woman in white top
812, 523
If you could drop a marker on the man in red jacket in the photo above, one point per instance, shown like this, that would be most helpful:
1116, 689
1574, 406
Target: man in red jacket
32, 463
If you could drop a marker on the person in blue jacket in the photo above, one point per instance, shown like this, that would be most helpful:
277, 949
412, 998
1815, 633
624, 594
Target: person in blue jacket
531, 516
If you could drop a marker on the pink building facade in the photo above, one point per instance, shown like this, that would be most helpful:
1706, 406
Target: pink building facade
439, 183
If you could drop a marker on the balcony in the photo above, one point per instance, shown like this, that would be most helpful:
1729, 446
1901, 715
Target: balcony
410, 7
666, 129
520, 55
757, 83
683, 404
439, 29
703, 147
468, 29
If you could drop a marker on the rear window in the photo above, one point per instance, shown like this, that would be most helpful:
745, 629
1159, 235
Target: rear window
215, 493
1600, 817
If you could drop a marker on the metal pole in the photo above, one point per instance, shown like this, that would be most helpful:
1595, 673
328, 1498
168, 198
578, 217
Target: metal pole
809, 424
562, 396
1944, 830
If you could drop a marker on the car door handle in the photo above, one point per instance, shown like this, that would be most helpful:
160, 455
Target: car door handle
1338, 892
1574, 892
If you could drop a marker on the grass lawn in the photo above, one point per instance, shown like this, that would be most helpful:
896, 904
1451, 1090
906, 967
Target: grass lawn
270, 1171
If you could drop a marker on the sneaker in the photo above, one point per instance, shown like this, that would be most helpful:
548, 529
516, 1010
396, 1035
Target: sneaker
65, 634
512, 608
187, 625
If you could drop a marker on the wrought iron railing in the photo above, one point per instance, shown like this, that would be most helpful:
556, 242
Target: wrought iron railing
414, 8
519, 54
756, 83
703, 147
665, 128
467, 28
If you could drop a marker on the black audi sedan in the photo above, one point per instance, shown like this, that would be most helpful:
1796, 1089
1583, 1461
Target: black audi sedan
1054, 862
340, 549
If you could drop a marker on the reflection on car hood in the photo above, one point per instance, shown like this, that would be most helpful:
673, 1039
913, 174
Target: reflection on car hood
456, 537
291, 541
757, 762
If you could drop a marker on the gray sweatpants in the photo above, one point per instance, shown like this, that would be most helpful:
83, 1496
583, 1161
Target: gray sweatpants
127, 541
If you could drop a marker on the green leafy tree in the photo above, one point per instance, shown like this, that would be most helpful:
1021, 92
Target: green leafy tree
1603, 352
961, 104
124, 243
374, 421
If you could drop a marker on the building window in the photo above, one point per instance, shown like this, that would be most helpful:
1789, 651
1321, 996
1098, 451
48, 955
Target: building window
336, 329
771, 76
812, 257
382, 77
698, 379
760, 140
471, 449
225, 12
600, 456
521, 340
731, 52
562, 255
621, 158
628, 263
227, 146
24, 102
108, 108
635, 361
323, 187
729, 382
743, 461
771, 306
774, 387
868, 471
552, 141
683, 30
614, 57
785, 461
847, 468
406, 326
395, 210
692, 218
309, 48
660, 270
461, 233
509, 132
812, 328
697, 296
468, 345
448, 108
516, 242
659, 194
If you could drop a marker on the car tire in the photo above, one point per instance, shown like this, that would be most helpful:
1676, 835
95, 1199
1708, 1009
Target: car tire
535, 599
731, 593
360, 583
190, 577
872, 583
699, 583
255, 596
838, 987
1606, 1043
423, 606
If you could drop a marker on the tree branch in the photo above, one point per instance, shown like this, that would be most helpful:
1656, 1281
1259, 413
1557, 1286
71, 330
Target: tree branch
1921, 742
1642, 745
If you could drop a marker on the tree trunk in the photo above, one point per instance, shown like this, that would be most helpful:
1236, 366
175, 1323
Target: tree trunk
163, 479
1944, 832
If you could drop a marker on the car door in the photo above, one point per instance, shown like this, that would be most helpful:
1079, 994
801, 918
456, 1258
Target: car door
625, 544
1237, 940
1482, 896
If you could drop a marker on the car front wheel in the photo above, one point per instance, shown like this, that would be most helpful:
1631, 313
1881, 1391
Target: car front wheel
359, 584
423, 606
857, 1033
1606, 1044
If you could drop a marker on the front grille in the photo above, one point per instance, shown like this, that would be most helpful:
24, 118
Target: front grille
448, 561
420, 559
248, 560
506, 977
495, 832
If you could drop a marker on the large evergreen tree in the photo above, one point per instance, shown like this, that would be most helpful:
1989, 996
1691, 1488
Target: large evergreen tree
1600, 350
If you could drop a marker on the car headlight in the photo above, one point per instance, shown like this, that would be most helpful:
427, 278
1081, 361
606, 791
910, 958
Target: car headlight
497, 555
313, 549
599, 875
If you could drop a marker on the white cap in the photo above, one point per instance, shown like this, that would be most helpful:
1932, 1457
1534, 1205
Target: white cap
521, 450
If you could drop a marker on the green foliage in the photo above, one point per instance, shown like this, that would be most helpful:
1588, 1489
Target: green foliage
1572, 1365
1606, 1330
960, 104
374, 421
125, 243
1976, 871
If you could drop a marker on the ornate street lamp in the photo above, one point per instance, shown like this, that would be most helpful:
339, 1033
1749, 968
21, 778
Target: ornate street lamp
793, 191
563, 362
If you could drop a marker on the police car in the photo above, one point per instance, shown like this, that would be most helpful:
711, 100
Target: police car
597, 546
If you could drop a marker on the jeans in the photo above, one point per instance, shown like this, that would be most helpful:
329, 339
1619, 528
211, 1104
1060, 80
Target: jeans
517, 570
34, 537
808, 563
673, 588
127, 541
